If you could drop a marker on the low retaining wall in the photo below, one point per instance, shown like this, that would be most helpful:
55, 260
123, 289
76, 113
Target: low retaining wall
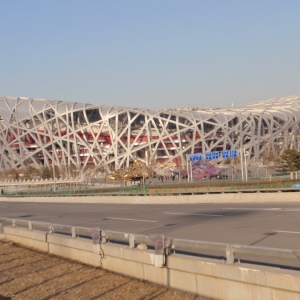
169, 199
200, 276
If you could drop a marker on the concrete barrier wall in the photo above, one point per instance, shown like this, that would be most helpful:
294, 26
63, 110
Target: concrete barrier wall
200, 276
168, 199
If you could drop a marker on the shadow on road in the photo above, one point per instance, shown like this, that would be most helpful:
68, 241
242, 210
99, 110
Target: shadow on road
267, 235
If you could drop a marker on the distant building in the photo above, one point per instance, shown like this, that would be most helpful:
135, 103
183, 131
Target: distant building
37, 132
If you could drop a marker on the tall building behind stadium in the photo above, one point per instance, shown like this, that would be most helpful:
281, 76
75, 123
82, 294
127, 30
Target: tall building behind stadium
40, 132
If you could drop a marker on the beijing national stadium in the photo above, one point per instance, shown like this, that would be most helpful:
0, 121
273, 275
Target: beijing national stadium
40, 132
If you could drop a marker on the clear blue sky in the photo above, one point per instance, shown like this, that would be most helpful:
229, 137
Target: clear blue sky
148, 53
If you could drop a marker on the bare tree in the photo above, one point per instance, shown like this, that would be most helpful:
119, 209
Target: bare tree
270, 160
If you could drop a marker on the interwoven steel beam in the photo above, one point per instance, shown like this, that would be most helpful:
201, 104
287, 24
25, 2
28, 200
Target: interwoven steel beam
36, 132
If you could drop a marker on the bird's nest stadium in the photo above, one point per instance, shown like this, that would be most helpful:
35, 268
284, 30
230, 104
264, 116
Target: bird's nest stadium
38, 132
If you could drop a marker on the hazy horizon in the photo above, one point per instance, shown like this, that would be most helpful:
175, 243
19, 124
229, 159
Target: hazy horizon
150, 54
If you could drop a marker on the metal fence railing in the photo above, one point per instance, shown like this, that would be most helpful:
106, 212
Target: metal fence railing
147, 192
75, 187
227, 251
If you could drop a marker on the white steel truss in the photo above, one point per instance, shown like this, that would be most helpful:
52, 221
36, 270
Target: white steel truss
37, 132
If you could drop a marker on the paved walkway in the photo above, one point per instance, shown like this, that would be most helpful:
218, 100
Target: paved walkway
28, 274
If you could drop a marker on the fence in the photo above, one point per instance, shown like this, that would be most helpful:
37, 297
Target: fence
139, 191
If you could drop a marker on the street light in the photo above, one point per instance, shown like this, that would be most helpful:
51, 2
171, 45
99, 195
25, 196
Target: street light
246, 169
244, 155
187, 167
53, 146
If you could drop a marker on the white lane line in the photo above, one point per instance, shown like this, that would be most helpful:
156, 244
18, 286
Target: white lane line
131, 220
265, 209
286, 231
237, 208
188, 214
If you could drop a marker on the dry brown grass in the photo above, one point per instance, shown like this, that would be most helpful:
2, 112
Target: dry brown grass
29, 274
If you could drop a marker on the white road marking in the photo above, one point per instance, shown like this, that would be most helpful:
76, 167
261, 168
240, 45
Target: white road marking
188, 214
131, 220
265, 209
286, 231
238, 208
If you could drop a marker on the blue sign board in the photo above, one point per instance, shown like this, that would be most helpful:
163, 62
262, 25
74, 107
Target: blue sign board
208, 156
233, 153
296, 186
198, 156
192, 157
225, 154
215, 154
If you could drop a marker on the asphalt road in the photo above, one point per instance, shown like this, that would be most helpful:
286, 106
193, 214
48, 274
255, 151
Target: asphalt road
264, 225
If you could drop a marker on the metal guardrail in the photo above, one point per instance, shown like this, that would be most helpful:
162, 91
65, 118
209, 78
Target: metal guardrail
231, 250
103, 236
158, 193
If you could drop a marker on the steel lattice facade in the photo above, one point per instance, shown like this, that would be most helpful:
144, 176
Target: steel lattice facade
38, 132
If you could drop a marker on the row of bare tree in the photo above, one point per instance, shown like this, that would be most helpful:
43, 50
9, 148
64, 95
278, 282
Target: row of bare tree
288, 161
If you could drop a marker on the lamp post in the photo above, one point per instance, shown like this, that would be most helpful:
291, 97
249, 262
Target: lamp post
143, 180
187, 167
191, 166
179, 169
242, 162
246, 169
53, 147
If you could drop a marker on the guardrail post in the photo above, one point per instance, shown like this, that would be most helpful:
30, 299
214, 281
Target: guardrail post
229, 255
1, 227
167, 246
159, 249
96, 235
131, 241
297, 253
103, 237
30, 227
51, 229
14, 224
73, 230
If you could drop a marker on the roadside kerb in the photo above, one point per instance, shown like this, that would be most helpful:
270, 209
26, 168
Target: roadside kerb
213, 197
